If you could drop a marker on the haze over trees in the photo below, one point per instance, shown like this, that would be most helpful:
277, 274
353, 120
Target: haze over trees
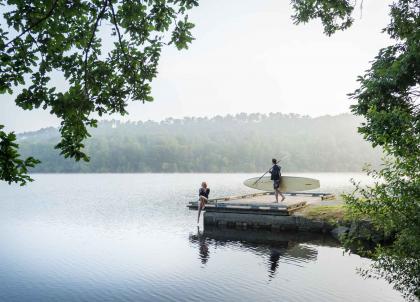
240, 143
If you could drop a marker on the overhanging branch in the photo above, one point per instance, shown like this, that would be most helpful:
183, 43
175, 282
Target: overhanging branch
89, 46
49, 13
117, 29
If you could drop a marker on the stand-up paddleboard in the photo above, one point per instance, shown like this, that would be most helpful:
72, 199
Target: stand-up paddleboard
287, 183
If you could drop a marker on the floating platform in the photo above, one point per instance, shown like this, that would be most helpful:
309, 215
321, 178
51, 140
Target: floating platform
261, 203
260, 210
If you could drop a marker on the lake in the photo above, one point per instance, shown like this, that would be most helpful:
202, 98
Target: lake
129, 237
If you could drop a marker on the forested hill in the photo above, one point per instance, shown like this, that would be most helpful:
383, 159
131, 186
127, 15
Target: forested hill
240, 143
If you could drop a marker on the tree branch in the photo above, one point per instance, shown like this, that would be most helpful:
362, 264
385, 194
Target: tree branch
95, 27
117, 29
49, 13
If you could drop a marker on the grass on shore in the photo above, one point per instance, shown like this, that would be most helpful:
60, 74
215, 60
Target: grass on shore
332, 214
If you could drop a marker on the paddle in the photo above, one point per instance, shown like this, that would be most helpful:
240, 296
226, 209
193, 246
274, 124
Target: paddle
261, 177
265, 173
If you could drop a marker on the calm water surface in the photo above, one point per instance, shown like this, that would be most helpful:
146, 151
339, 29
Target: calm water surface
129, 237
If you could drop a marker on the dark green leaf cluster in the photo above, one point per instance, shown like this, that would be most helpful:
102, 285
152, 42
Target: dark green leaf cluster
61, 38
334, 14
13, 168
389, 91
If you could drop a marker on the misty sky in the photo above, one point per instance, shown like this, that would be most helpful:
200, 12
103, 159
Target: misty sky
248, 56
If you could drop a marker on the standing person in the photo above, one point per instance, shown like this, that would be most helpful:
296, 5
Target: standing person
275, 172
203, 196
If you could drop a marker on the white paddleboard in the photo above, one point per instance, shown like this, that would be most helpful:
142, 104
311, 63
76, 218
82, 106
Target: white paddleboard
287, 183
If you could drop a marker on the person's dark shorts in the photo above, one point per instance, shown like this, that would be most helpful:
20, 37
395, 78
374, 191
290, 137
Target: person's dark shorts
276, 184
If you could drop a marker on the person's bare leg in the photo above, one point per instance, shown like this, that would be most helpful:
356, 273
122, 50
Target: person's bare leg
200, 206
277, 195
282, 196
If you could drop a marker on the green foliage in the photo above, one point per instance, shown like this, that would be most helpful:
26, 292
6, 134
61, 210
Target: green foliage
240, 143
13, 168
44, 39
334, 14
388, 99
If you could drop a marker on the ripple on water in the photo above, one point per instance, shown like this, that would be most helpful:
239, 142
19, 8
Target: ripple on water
121, 237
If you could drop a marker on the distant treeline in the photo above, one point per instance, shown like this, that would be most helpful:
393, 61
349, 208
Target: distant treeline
240, 143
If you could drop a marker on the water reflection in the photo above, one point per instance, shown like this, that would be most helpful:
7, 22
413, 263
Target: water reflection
119, 237
201, 240
274, 247
274, 262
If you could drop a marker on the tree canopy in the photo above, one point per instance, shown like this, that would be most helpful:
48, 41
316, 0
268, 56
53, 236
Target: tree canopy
61, 37
388, 98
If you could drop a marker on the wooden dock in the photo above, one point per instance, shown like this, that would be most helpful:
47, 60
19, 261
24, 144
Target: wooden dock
263, 203
260, 210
